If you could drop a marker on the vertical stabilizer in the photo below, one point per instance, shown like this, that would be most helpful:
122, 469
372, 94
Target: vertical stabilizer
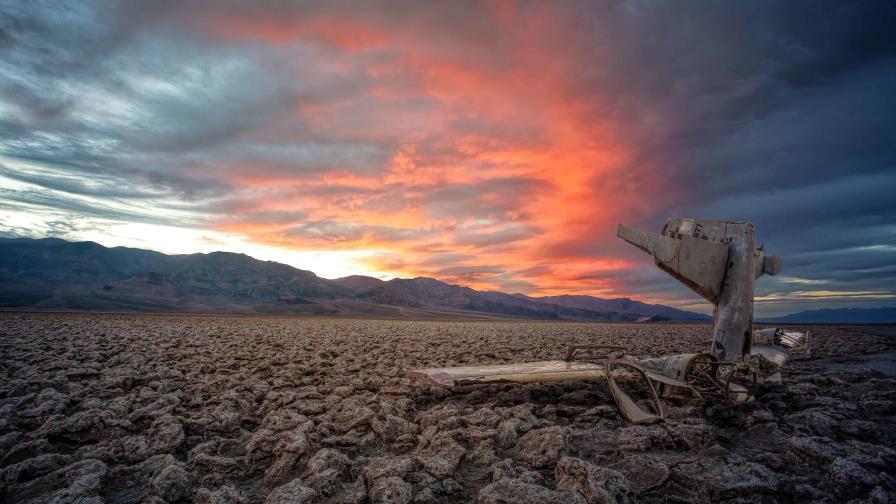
719, 260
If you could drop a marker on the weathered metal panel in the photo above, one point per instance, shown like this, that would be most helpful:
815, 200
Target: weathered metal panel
767, 336
528, 372
631, 410
698, 263
733, 312
794, 339
776, 354
676, 367
672, 370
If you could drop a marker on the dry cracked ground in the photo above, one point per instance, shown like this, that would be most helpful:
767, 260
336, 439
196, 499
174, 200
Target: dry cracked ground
152, 409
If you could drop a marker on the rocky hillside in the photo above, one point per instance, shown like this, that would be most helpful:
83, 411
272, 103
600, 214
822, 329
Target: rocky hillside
57, 274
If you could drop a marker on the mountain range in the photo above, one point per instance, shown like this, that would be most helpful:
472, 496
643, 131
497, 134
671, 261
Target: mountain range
883, 315
55, 274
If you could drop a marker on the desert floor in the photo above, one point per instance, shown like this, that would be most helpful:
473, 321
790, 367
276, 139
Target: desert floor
154, 408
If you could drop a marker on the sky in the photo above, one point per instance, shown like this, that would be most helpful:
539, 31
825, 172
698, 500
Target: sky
491, 144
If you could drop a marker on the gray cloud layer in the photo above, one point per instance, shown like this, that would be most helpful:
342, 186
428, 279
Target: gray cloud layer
777, 112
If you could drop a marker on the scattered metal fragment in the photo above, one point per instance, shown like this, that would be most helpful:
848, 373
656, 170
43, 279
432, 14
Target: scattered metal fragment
632, 411
717, 259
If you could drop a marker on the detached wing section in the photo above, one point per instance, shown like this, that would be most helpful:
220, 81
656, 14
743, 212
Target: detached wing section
529, 372
556, 371
696, 262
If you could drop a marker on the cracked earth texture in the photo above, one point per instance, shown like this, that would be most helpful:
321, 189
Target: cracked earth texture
123, 408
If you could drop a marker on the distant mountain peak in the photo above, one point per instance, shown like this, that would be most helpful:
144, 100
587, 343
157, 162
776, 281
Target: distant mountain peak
38, 241
881, 315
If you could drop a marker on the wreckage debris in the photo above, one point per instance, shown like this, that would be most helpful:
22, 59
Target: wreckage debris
718, 260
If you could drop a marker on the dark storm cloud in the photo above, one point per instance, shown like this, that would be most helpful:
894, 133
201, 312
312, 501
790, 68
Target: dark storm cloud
778, 113
116, 88
61, 204
75, 185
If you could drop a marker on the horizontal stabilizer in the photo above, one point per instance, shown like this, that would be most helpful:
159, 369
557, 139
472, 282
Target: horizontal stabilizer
698, 263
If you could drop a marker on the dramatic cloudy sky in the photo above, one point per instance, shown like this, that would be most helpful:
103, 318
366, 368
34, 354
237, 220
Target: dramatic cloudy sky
493, 144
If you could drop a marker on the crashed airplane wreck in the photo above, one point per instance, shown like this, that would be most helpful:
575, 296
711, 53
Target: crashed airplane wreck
717, 259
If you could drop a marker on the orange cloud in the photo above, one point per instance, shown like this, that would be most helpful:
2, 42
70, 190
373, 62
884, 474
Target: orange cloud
332, 30
500, 157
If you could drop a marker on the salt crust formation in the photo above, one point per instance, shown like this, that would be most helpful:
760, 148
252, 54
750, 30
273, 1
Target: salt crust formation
153, 409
